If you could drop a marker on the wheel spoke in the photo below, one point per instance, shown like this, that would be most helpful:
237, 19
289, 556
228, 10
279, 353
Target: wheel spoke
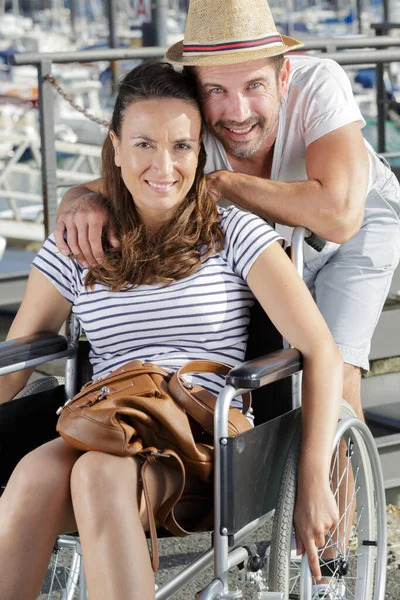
54, 573
353, 566
62, 580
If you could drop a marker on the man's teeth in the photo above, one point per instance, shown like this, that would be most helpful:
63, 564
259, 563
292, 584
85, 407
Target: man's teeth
160, 186
242, 130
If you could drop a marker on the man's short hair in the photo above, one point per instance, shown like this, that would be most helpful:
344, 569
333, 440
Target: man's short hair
276, 62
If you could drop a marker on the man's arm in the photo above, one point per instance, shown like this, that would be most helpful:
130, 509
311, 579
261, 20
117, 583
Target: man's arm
82, 216
330, 203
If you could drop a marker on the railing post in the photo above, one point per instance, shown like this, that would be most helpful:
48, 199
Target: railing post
48, 150
381, 97
74, 15
385, 5
113, 42
359, 4
380, 100
155, 33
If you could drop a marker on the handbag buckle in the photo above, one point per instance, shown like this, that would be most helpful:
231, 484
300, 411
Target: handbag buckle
185, 383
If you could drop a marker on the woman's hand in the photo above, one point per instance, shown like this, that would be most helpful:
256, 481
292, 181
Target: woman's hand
83, 220
316, 513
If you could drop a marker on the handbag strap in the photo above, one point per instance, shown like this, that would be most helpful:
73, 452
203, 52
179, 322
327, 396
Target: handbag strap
200, 407
150, 455
166, 512
154, 555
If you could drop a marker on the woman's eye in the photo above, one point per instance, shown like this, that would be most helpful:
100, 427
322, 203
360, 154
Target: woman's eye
216, 91
143, 145
183, 146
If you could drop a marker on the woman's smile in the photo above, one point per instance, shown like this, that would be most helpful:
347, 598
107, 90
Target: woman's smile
161, 187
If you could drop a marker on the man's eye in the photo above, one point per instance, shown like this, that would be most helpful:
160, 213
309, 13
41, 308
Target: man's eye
216, 90
183, 146
255, 85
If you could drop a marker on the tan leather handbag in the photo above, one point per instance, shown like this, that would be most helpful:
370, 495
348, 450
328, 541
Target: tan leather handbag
142, 410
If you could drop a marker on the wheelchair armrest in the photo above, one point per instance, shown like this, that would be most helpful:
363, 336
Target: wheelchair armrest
266, 369
32, 350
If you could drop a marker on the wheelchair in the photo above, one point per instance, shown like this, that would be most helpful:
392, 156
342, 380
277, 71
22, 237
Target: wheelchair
255, 476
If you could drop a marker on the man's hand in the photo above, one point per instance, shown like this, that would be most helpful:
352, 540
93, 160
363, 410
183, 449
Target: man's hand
83, 222
214, 184
316, 513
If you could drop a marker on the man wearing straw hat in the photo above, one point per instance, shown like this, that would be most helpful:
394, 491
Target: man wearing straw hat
283, 140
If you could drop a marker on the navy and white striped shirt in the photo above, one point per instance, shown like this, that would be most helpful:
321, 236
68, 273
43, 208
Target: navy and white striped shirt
203, 316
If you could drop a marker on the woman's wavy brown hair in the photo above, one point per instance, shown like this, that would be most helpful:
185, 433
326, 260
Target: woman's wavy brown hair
192, 234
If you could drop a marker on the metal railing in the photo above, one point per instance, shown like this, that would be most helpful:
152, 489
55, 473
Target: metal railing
45, 61
83, 165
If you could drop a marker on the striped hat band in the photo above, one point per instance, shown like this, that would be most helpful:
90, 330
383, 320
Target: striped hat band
273, 39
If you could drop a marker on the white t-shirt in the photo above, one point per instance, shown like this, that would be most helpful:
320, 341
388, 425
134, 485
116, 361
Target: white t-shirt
319, 100
203, 316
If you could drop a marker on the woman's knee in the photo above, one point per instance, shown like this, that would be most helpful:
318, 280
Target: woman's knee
96, 476
41, 476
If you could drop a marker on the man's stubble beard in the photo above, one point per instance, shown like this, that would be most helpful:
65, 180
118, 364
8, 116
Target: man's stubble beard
241, 149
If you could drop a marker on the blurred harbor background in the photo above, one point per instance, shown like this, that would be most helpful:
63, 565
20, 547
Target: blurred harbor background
56, 95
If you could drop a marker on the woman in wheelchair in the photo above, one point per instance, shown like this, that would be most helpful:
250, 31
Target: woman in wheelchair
179, 287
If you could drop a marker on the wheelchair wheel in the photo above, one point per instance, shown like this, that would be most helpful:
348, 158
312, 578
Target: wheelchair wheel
358, 570
64, 578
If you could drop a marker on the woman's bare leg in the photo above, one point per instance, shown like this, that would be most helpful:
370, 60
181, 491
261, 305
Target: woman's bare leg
111, 518
35, 507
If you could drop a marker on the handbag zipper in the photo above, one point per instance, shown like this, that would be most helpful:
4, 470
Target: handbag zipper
104, 391
61, 408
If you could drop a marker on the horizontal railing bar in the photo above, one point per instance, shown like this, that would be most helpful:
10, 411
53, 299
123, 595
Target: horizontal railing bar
363, 58
390, 154
353, 42
35, 58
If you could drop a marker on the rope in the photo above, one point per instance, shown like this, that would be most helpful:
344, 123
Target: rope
70, 101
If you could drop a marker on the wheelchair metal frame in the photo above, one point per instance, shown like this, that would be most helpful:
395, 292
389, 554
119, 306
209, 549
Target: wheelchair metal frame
248, 376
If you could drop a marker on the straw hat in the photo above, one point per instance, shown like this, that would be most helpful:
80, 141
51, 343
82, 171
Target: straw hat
224, 32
